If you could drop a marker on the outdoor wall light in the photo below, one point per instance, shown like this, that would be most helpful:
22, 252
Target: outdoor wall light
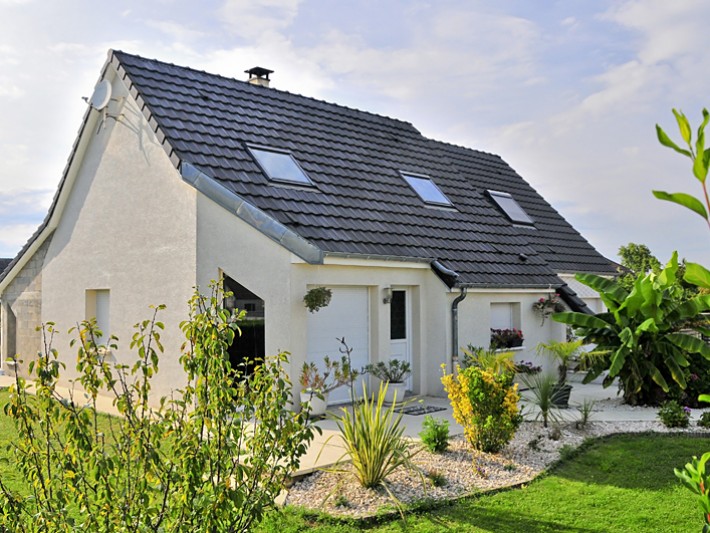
387, 295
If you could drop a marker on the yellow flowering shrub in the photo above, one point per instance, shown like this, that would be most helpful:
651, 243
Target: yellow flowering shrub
485, 404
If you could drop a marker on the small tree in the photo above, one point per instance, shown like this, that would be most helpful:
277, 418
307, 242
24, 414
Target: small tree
212, 457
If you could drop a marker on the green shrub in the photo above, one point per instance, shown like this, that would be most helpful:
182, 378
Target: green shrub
373, 438
673, 415
485, 404
704, 420
435, 434
212, 457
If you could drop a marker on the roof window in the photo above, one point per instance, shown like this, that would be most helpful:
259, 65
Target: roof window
510, 207
426, 189
279, 166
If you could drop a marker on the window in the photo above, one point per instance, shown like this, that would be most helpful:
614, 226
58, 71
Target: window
279, 166
510, 207
398, 315
505, 315
426, 189
98, 307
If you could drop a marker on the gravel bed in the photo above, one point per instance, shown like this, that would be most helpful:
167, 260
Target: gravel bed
533, 449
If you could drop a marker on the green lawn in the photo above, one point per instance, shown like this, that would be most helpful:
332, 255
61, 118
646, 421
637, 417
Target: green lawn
621, 484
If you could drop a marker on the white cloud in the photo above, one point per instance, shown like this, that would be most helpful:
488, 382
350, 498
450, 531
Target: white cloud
176, 31
255, 19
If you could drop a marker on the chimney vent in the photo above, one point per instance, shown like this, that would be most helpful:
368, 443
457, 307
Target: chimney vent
259, 76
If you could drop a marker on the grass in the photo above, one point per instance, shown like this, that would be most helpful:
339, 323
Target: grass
623, 483
9, 474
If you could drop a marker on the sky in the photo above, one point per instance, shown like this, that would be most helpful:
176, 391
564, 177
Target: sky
568, 92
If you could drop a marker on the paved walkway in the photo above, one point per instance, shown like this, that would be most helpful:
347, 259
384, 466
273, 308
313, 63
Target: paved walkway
327, 448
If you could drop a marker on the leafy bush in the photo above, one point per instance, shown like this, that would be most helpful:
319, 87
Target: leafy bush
704, 420
435, 434
673, 415
212, 457
639, 339
374, 438
485, 404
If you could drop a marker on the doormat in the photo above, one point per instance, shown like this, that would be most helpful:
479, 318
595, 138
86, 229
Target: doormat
418, 410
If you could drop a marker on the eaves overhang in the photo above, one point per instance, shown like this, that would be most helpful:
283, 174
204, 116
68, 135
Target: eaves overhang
250, 214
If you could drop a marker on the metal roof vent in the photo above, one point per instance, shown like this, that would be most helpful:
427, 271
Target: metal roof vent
259, 76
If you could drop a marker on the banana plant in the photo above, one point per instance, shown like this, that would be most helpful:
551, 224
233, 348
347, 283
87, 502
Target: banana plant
640, 337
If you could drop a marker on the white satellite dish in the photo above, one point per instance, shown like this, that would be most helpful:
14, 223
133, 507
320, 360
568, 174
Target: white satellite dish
102, 95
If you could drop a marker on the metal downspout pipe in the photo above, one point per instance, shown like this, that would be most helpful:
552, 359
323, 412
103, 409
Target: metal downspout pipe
455, 329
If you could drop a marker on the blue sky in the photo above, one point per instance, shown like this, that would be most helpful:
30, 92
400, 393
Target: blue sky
567, 92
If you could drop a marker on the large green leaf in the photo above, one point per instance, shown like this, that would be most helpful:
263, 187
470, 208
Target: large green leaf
686, 200
700, 171
697, 275
580, 320
617, 360
689, 343
648, 325
667, 276
665, 140
603, 286
627, 337
657, 377
676, 372
692, 308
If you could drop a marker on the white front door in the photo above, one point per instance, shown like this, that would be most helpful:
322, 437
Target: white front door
400, 329
347, 315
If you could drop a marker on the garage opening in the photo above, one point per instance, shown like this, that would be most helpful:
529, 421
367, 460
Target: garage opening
249, 347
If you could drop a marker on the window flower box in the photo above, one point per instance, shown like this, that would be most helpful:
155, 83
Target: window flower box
506, 338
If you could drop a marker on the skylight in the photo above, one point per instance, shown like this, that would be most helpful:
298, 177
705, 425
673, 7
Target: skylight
510, 207
426, 189
280, 166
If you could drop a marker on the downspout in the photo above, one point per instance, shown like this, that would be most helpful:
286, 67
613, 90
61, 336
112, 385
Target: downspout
455, 329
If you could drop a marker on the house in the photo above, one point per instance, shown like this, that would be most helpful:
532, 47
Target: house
178, 177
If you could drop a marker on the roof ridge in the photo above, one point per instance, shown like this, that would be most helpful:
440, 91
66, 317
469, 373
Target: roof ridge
281, 91
467, 148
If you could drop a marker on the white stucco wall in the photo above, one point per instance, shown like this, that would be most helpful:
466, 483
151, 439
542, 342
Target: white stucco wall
129, 227
475, 321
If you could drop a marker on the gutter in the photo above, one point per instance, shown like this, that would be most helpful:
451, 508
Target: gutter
455, 329
253, 216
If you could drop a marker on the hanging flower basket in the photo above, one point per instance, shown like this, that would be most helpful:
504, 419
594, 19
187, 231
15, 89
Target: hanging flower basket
544, 307
317, 298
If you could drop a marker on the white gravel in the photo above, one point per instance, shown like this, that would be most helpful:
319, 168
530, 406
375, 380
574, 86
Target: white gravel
533, 449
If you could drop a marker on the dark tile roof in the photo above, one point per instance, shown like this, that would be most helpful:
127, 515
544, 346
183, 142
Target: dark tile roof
360, 204
4, 264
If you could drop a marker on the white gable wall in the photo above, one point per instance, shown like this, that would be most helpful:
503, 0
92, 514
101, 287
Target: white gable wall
128, 228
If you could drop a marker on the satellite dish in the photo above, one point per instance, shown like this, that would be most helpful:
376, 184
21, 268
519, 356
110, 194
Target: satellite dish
101, 96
